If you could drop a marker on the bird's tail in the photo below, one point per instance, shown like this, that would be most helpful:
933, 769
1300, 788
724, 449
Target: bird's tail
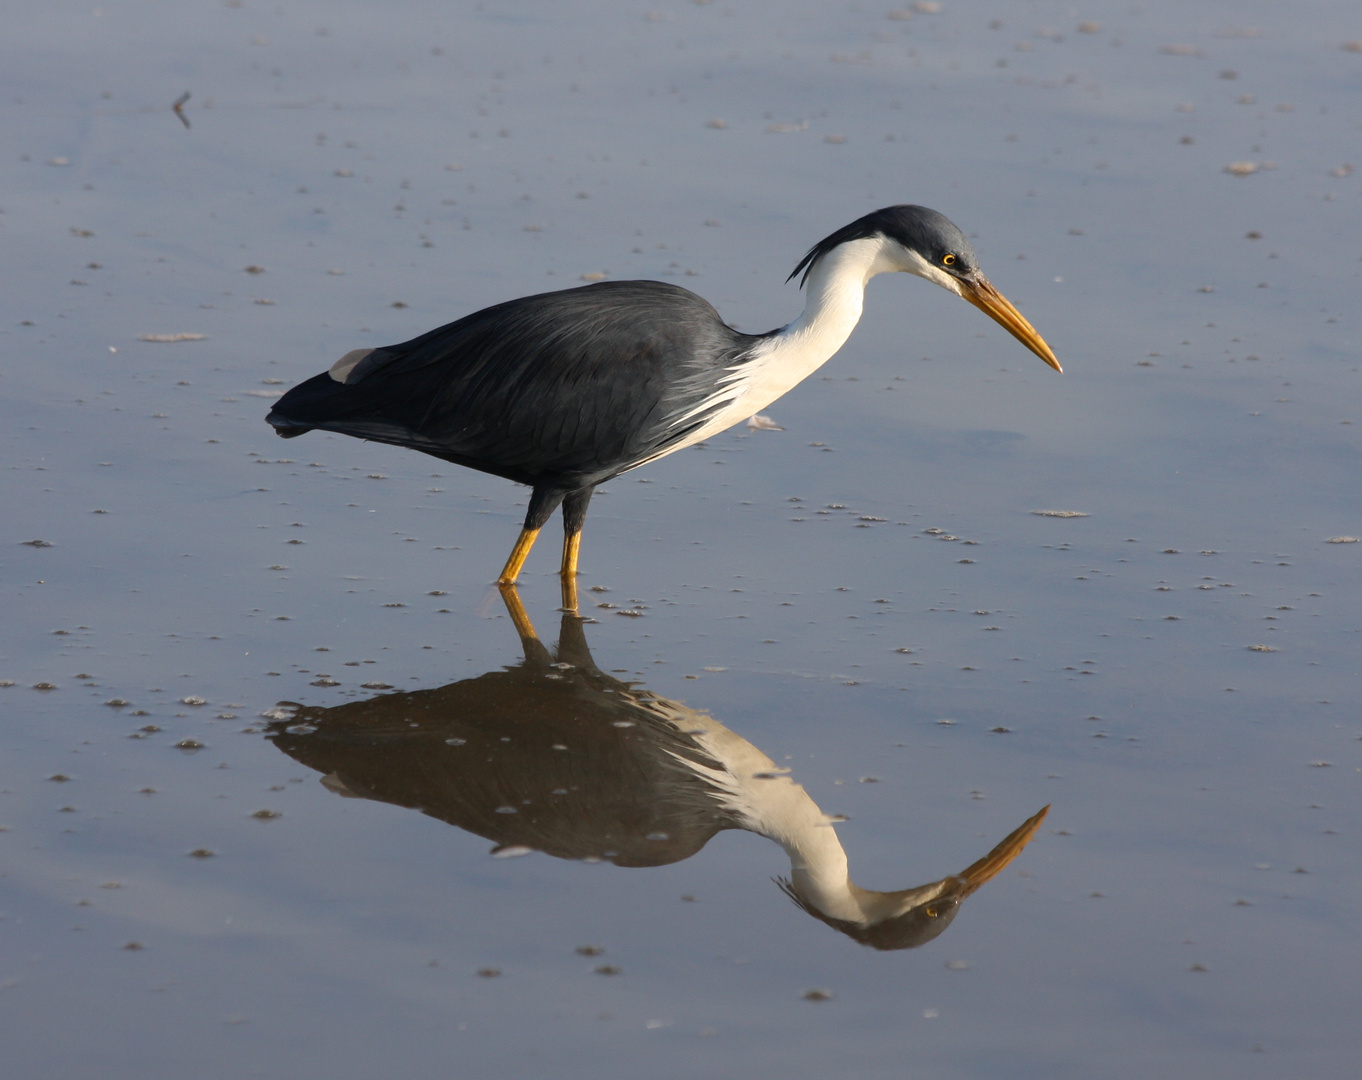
284, 427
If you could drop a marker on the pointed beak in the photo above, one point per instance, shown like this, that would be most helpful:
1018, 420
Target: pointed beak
993, 864
979, 291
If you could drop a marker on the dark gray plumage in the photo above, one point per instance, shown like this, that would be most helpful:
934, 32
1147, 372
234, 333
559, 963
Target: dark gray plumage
563, 390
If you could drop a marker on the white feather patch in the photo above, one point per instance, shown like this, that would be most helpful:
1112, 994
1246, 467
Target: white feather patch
341, 369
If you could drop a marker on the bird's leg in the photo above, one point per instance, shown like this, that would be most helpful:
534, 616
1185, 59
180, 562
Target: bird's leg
543, 502
569, 577
574, 517
572, 647
519, 554
535, 652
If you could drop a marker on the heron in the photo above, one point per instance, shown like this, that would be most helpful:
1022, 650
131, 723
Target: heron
565, 390
555, 755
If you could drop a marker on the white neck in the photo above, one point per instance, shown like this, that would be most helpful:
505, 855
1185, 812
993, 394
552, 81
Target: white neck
836, 292
768, 802
835, 296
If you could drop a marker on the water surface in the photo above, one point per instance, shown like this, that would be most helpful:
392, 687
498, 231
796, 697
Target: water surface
867, 597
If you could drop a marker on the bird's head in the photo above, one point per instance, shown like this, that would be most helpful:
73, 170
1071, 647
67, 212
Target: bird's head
916, 240
907, 918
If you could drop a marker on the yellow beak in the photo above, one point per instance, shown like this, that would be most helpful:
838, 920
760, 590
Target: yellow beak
981, 293
992, 864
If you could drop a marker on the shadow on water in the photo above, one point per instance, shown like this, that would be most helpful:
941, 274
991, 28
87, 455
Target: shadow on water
554, 755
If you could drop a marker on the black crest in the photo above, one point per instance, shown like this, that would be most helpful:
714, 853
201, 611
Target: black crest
917, 228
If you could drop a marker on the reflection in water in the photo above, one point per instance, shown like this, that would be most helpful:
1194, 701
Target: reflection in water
554, 755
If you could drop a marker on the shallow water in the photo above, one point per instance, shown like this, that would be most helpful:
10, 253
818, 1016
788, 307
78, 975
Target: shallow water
866, 597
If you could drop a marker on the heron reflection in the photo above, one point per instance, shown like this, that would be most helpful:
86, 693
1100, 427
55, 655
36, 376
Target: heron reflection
554, 755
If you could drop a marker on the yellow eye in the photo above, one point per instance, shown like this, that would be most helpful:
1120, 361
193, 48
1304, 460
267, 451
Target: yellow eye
948, 260
931, 912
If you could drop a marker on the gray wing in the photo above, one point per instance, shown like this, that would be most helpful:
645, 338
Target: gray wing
567, 387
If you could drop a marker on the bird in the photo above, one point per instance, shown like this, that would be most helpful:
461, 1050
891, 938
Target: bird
563, 391
555, 755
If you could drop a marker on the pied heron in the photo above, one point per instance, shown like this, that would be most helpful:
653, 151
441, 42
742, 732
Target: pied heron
555, 755
566, 390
